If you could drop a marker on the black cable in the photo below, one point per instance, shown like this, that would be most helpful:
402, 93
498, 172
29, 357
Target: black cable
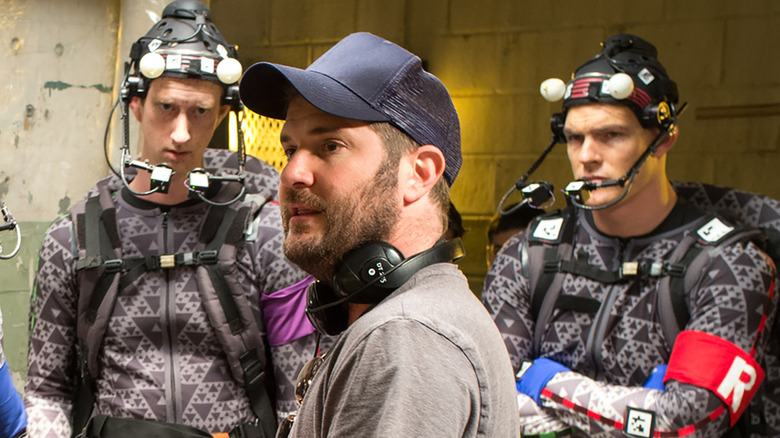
105, 138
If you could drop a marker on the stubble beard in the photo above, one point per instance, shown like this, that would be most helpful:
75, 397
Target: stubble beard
350, 221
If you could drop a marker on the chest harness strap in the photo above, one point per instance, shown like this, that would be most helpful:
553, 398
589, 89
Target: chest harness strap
103, 273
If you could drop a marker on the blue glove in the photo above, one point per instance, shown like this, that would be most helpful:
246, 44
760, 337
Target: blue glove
656, 379
536, 377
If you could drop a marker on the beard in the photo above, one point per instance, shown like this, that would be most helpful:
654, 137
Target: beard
351, 220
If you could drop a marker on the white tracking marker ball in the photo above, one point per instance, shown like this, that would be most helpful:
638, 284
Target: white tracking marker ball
552, 89
620, 85
152, 65
229, 70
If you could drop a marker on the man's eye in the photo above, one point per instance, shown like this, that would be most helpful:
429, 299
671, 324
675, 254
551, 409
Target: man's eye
202, 111
610, 136
166, 106
289, 152
332, 147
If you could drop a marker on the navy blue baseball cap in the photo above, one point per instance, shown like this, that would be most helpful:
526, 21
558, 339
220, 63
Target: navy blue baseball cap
364, 77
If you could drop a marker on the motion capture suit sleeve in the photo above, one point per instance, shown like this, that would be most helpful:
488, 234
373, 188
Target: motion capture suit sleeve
51, 359
507, 298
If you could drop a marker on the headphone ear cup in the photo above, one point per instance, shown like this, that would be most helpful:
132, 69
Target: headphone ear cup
360, 268
325, 316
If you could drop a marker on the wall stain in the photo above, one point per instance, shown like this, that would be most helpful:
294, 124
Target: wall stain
102, 88
4, 186
56, 85
59, 86
64, 205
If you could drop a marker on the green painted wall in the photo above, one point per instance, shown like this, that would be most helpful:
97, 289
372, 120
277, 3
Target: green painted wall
16, 279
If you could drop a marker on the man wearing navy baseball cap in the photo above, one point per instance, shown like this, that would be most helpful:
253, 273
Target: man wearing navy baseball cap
373, 146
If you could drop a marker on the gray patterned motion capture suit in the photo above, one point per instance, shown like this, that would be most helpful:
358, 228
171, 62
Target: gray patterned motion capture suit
160, 357
611, 349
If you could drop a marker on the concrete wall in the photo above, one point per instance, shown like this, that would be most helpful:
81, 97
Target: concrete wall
57, 84
55, 90
61, 62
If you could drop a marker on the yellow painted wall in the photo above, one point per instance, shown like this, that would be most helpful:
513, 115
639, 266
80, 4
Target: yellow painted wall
493, 54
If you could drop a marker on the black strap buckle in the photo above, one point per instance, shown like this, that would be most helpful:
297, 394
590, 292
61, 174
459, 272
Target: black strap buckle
253, 367
205, 257
112, 266
674, 269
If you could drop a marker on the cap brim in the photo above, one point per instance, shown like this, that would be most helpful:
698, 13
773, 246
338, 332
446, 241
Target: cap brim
262, 90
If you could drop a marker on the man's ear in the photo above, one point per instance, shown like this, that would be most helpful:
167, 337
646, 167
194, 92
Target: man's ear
667, 145
136, 106
425, 168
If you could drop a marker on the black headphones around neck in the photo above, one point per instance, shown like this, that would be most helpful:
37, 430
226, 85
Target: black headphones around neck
367, 274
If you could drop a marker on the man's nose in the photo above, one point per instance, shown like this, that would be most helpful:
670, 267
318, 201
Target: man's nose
298, 173
180, 133
589, 151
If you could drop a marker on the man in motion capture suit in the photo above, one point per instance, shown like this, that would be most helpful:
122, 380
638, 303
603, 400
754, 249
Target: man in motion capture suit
13, 418
641, 309
162, 296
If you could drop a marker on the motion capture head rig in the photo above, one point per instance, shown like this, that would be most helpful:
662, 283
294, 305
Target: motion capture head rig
9, 223
626, 72
183, 44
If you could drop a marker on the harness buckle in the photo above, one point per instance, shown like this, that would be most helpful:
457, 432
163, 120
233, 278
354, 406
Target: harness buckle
167, 261
253, 368
629, 269
112, 266
553, 266
81, 359
206, 257
674, 269
656, 269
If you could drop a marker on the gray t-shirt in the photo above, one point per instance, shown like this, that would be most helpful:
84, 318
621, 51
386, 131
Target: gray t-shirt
426, 361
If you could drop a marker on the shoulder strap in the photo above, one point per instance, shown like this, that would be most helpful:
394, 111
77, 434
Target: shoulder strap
230, 312
98, 267
550, 241
690, 257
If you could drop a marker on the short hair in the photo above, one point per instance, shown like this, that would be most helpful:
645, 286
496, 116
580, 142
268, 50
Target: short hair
455, 222
519, 218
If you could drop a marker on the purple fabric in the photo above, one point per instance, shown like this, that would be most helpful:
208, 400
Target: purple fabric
284, 313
